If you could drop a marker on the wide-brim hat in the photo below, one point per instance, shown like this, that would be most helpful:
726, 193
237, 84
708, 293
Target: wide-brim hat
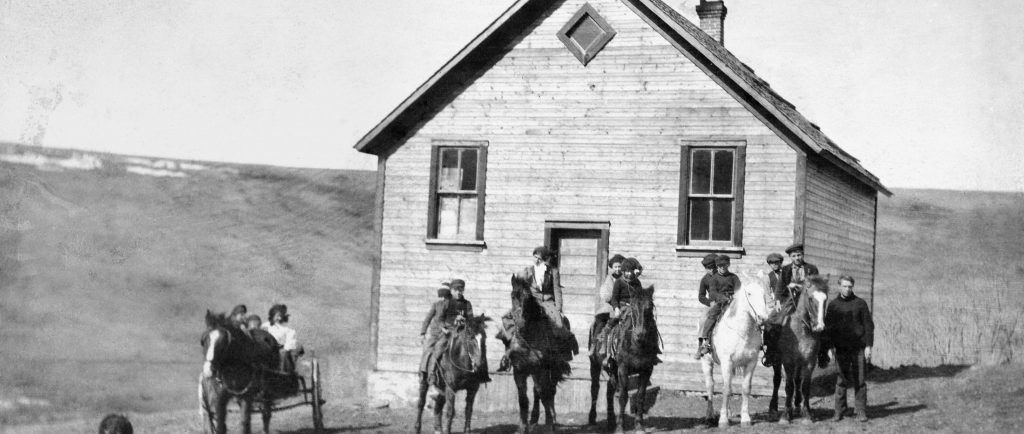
795, 247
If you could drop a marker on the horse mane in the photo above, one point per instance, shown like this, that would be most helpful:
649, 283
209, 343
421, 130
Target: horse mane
536, 331
476, 324
636, 350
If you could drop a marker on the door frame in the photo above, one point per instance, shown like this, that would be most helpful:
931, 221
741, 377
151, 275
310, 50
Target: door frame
555, 230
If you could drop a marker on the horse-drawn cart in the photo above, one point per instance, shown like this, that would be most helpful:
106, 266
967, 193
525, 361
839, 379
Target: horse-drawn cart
284, 391
272, 390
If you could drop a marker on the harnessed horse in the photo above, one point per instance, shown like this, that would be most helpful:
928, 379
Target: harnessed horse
234, 367
462, 365
737, 343
635, 352
798, 344
541, 360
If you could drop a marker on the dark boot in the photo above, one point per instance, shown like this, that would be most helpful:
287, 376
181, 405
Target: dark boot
505, 364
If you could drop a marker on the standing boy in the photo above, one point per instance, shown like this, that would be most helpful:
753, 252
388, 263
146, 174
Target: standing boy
851, 332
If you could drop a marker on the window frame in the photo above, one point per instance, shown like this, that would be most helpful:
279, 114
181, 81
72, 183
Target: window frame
437, 147
687, 247
586, 54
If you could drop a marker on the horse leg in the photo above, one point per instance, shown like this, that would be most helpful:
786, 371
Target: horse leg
245, 407
641, 397
421, 402
221, 411
773, 405
524, 402
790, 386
609, 394
267, 406
709, 386
470, 397
805, 392
535, 412
623, 392
595, 388
548, 397
723, 417
449, 410
439, 403
748, 378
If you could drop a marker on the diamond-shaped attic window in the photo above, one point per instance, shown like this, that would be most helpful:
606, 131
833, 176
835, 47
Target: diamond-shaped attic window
585, 34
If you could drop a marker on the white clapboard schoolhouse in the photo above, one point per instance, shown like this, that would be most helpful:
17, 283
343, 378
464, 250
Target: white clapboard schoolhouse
598, 127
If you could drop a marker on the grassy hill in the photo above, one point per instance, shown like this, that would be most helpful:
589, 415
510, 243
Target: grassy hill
105, 274
950, 278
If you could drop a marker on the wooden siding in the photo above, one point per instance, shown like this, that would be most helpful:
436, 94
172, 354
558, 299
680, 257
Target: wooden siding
575, 143
839, 225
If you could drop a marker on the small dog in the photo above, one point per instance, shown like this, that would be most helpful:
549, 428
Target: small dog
116, 424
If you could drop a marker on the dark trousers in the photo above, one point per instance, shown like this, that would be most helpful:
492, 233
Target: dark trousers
709, 322
851, 373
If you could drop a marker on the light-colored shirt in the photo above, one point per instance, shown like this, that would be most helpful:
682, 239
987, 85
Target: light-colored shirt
285, 335
538, 274
605, 295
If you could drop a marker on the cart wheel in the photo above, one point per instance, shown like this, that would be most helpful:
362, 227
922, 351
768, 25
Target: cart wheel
318, 413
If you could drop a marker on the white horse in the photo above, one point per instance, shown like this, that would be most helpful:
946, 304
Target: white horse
737, 344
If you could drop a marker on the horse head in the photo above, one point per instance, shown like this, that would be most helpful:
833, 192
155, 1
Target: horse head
752, 294
215, 341
469, 343
521, 298
811, 305
641, 310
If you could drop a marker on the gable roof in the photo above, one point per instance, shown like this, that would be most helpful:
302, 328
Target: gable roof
706, 53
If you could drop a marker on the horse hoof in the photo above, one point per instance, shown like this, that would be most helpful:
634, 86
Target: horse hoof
783, 421
746, 424
723, 423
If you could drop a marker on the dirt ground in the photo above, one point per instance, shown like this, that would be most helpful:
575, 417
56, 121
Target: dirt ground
908, 399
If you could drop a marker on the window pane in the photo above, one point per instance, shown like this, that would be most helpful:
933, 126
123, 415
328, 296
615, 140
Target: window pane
723, 172
469, 160
700, 216
585, 32
721, 225
467, 219
447, 216
449, 176
700, 176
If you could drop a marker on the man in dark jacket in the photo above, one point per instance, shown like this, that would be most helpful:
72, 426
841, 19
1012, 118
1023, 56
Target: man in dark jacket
449, 314
851, 332
770, 335
723, 286
431, 327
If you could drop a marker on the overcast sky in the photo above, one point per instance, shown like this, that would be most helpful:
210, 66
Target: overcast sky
926, 93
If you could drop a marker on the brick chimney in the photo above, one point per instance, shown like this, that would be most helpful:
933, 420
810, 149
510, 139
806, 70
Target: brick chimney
712, 18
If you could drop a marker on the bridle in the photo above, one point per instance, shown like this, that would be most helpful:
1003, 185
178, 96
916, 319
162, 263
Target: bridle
451, 359
758, 320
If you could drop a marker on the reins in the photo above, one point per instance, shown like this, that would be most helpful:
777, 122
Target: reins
451, 359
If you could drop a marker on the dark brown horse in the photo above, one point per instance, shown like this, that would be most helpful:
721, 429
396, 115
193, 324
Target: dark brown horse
462, 365
636, 345
541, 357
799, 341
234, 367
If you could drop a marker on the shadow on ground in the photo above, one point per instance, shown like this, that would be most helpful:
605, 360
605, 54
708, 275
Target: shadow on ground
912, 372
337, 430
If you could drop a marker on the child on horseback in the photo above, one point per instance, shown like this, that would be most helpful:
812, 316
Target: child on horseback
604, 308
702, 291
623, 291
721, 289
432, 325
451, 313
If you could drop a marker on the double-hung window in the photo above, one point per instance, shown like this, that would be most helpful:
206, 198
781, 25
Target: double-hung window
457, 182
711, 196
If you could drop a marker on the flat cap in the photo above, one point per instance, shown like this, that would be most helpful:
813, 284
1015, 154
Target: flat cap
773, 257
795, 247
722, 260
709, 260
458, 284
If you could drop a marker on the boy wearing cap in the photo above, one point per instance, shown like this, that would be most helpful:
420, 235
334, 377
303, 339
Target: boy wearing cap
723, 286
794, 273
432, 324
450, 313
702, 292
778, 291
